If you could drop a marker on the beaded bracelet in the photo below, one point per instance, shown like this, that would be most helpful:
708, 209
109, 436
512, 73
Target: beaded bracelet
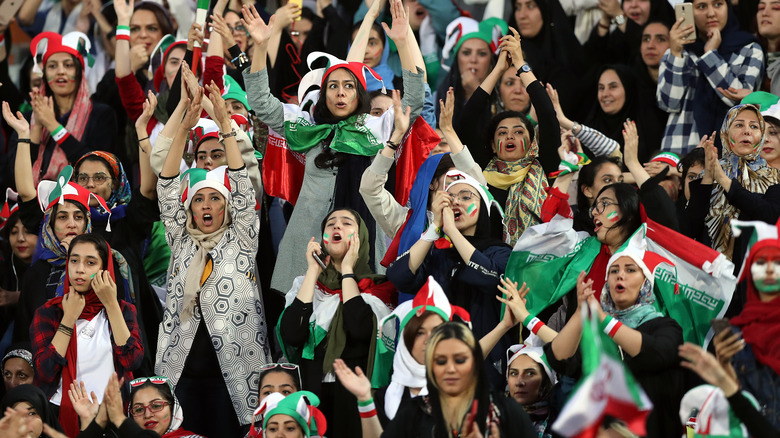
367, 409
533, 324
65, 330
611, 326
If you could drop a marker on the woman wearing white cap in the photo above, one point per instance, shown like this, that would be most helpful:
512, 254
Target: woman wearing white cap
530, 381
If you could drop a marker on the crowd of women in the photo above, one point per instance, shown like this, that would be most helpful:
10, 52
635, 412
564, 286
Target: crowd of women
295, 220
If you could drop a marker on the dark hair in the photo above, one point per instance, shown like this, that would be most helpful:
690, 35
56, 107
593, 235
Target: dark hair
587, 178
500, 117
163, 388
692, 158
163, 17
627, 198
56, 209
414, 324
79, 78
95, 239
445, 164
374, 26
292, 373
351, 211
5, 233
377, 93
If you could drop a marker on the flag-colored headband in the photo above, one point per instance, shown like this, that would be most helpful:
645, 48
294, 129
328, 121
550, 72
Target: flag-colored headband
465, 28
459, 177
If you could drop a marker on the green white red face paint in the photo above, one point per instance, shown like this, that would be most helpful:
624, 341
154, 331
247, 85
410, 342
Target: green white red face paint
325, 238
766, 269
472, 210
613, 216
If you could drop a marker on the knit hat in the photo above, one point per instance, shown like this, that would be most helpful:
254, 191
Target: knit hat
465, 28
669, 158
201, 178
762, 235
9, 207
298, 405
358, 69
234, 91
49, 43
464, 178
532, 347
21, 354
712, 413
53, 192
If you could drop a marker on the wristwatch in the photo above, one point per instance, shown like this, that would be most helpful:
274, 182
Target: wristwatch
525, 68
619, 20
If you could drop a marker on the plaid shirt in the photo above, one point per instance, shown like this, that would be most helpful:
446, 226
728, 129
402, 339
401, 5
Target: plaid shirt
49, 363
677, 85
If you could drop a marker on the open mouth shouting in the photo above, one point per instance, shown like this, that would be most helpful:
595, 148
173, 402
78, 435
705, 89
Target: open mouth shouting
597, 224
207, 219
336, 238
620, 288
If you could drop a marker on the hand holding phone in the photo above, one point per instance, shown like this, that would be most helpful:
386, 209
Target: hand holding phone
719, 325
320, 258
685, 11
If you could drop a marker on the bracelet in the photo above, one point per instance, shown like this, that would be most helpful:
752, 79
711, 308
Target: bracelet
575, 127
65, 330
432, 234
352, 276
223, 136
392, 145
24, 140
367, 409
142, 139
533, 324
603, 26
611, 326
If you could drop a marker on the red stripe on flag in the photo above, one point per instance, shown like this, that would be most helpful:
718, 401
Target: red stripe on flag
681, 246
283, 170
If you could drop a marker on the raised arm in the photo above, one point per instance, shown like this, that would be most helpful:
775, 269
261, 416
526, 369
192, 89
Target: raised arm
445, 122
358, 50
400, 34
285, 16
183, 119
226, 132
124, 11
25, 184
261, 34
148, 185
631, 155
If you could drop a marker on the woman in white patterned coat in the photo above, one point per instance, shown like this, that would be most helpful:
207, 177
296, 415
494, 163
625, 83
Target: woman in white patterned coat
212, 339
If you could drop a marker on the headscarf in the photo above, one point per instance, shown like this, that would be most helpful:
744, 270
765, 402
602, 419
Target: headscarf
526, 184
92, 307
174, 430
36, 398
532, 347
751, 171
120, 197
21, 354
707, 107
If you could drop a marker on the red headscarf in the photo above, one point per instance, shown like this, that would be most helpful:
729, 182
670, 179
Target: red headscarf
68, 418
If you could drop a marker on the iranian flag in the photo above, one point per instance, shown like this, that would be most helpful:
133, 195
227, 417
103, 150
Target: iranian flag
548, 257
606, 388
416, 146
283, 169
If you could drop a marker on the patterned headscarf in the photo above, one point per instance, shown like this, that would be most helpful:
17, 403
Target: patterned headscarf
642, 311
121, 195
751, 171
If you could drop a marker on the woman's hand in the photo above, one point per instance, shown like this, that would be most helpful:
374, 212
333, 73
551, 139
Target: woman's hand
350, 258
562, 119
43, 110
190, 86
584, 289
515, 300
471, 427
219, 26
727, 345
447, 109
610, 8
355, 382
314, 248
503, 62
17, 122
511, 44
286, 14
85, 408
72, 305
707, 367
149, 106
402, 118
138, 57
713, 40
569, 143
105, 288
220, 116
255, 25
195, 34
448, 221
631, 141
400, 30
441, 199
113, 400
124, 11
735, 94
677, 37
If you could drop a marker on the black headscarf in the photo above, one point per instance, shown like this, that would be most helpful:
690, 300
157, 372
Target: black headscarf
36, 398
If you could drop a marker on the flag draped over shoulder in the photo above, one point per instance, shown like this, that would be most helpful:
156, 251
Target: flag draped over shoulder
606, 388
549, 257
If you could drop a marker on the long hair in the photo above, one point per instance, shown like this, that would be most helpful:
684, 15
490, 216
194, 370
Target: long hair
95, 239
587, 178
459, 331
627, 198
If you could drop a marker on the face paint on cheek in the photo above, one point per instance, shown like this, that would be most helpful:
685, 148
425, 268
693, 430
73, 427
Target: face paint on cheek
613, 216
761, 278
325, 239
499, 147
472, 210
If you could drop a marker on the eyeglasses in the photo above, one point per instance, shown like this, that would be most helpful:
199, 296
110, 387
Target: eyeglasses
240, 28
464, 196
599, 207
98, 178
155, 406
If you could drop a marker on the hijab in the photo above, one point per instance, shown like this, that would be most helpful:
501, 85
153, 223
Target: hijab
177, 415
120, 196
751, 171
36, 398
639, 313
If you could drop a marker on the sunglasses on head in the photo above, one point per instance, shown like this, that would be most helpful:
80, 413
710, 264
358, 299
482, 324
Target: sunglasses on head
157, 380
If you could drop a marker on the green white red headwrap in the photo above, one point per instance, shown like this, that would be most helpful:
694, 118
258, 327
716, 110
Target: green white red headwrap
57, 192
532, 347
464, 28
201, 178
301, 406
205, 129
49, 43
459, 177
669, 158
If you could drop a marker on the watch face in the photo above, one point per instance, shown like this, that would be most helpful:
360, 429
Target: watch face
525, 68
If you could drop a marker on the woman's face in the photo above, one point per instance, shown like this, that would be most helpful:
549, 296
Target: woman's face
208, 209
341, 93
611, 95
211, 154
709, 14
69, 221
283, 426
474, 59
453, 366
771, 149
608, 173
637, 10
339, 228
144, 29
764, 272
22, 242
173, 63
276, 381
17, 371
511, 140
95, 176
421, 337
35, 424
236, 107
417, 13
625, 280
237, 29
380, 104
157, 421
513, 92
465, 208
768, 19
691, 175
606, 213
745, 133
528, 17
655, 41
374, 49
524, 380
83, 263
61, 74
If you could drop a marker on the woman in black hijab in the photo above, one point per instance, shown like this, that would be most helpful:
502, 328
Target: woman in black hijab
34, 400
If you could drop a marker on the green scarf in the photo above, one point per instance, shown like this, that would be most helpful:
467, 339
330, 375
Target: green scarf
351, 136
331, 278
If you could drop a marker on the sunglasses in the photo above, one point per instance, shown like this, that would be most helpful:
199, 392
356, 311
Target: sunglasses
286, 366
157, 380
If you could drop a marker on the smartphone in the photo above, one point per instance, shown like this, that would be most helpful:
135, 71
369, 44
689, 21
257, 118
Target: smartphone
685, 11
8, 10
719, 325
320, 258
300, 5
